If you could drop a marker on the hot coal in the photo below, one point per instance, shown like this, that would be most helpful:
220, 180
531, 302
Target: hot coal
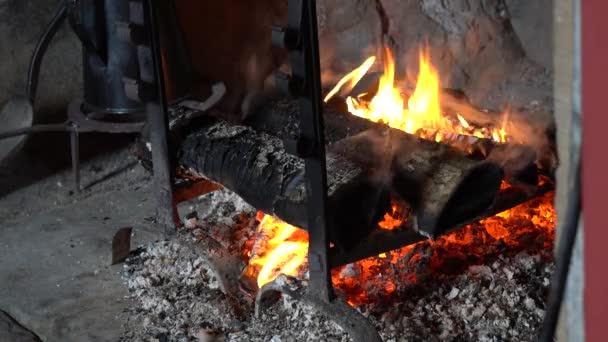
487, 297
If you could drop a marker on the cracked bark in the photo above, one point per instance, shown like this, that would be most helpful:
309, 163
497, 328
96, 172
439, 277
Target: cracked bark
257, 167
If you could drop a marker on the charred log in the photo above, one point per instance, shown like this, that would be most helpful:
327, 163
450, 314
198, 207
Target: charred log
257, 167
442, 185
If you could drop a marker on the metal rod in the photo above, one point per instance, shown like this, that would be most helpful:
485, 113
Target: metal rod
559, 280
157, 116
569, 226
312, 133
36, 129
75, 152
41, 46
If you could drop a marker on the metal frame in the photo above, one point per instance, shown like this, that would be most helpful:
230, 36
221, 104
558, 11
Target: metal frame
300, 37
158, 121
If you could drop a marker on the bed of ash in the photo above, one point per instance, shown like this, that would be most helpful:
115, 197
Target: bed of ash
494, 295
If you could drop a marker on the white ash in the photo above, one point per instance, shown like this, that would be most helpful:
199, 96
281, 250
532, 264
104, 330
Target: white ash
178, 301
216, 207
178, 298
503, 301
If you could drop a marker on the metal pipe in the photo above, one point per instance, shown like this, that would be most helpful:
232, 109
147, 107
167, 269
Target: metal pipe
75, 153
41, 46
570, 223
36, 129
559, 280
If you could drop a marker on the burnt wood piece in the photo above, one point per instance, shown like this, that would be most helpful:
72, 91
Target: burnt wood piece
382, 241
348, 318
257, 167
280, 117
518, 161
534, 131
442, 185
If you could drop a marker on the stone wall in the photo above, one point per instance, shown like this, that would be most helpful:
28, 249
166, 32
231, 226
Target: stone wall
497, 51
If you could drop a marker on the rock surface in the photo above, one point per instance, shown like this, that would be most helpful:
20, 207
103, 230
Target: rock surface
21, 25
55, 248
11, 330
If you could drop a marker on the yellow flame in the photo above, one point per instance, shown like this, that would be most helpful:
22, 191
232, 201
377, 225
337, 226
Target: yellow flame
353, 77
283, 253
423, 115
423, 105
463, 122
285, 247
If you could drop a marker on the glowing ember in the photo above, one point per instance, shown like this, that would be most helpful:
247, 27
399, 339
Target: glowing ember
527, 227
280, 249
391, 220
422, 116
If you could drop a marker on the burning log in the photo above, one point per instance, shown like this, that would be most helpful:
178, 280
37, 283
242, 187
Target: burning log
281, 118
257, 167
527, 129
442, 185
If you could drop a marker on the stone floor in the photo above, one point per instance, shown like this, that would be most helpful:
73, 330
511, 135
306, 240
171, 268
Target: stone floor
55, 249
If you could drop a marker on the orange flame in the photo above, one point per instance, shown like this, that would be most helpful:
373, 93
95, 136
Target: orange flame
529, 226
422, 116
283, 249
391, 220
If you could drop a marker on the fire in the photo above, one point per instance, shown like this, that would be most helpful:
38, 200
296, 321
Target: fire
422, 116
280, 249
391, 220
352, 78
528, 227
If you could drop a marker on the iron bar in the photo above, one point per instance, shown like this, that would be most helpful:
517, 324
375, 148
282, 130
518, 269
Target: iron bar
75, 153
157, 117
315, 164
300, 37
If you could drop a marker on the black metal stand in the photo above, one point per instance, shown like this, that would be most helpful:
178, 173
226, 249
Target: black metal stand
300, 37
157, 118
79, 122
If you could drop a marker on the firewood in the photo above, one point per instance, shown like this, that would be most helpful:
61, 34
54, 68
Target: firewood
442, 185
257, 167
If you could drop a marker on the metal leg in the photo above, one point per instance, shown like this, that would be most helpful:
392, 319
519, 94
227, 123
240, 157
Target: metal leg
300, 37
157, 116
165, 211
75, 152
313, 130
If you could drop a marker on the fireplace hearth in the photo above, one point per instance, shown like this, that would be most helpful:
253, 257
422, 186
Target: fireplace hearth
340, 175
408, 174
